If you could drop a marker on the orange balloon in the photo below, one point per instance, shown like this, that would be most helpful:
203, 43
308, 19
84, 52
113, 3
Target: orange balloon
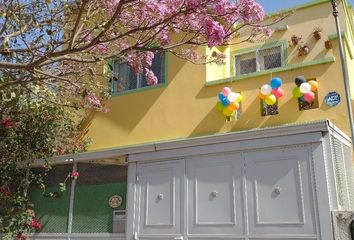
314, 85
234, 106
261, 96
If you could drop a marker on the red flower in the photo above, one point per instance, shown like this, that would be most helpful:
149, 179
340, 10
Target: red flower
75, 175
5, 191
35, 224
7, 122
20, 236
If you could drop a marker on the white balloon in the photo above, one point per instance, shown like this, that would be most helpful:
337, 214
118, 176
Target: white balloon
232, 97
266, 89
305, 88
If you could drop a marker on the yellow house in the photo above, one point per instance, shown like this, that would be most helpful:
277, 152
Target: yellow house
166, 158
184, 105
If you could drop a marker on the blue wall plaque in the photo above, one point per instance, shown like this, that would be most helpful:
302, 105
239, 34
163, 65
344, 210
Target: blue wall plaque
332, 99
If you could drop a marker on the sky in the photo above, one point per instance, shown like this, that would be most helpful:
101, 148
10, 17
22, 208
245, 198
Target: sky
275, 5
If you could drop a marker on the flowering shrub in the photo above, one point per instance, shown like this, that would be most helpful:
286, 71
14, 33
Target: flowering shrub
30, 129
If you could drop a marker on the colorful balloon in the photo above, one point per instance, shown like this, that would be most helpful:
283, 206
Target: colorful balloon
234, 106
305, 87
225, 102
221, 96
314, 85
270, 100
261, 96
300, 80
266, 89
238, 97
223, 99
297, 93
232, 97
276, 82
278, 92
227, 112
226, 91
309, 97
219, 106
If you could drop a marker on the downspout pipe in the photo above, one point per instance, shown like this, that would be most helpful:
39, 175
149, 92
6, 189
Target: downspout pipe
344, 68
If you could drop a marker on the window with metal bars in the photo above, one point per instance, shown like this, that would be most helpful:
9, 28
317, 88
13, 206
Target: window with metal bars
125, 79
269, 110
259, 60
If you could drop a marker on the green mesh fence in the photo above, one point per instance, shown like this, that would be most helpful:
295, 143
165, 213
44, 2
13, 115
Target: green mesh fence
92, 213
51, 212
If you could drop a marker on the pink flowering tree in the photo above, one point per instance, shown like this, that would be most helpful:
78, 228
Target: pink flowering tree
52, 56
61, 43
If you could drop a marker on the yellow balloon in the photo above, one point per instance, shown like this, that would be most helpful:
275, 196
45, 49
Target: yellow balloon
270, 99
227, 112
238, 98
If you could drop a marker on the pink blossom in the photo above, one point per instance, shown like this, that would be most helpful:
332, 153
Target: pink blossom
150, 77
93, 100
100, 48
75, 174
250, 11
215, 32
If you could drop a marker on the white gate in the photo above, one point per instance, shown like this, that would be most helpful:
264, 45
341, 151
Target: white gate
246, 195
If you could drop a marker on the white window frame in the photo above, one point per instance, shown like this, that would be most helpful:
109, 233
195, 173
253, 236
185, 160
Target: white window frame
258, 61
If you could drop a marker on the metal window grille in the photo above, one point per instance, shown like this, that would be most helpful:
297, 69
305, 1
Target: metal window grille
124, 78
246, 63
269, 110
342, 155
259, 60
348, 156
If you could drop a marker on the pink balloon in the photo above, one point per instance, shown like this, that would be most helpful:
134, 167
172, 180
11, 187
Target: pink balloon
226, 91
278, 92
309, 97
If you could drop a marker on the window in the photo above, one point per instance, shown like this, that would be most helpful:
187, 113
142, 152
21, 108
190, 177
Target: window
258, 60
303, 105
125, 79
269, 110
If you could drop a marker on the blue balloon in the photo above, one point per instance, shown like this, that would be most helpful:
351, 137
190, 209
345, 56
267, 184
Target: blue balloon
225, 102
276, 82
221, 96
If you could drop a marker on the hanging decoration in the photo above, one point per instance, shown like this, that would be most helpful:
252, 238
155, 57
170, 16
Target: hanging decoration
271, 92
304, 90
229, 103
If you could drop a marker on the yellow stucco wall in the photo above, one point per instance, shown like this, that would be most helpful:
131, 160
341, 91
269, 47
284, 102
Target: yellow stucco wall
185, 106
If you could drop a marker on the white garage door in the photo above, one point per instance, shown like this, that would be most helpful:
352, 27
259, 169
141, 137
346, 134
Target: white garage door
255, 195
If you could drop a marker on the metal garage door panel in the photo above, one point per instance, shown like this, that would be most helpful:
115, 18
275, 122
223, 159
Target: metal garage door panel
214, 195
160, 198
280, 198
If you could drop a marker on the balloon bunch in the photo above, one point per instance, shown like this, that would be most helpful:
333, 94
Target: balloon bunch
305, 90
229, 102
271, 92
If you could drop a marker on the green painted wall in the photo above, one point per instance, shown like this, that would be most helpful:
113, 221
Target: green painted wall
52, 212
92, 214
